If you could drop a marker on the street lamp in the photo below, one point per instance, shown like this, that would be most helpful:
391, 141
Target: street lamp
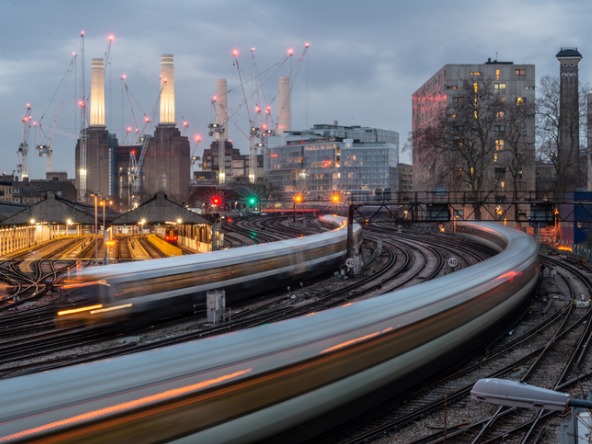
95, 196
68, 223
298, 199
32, 232
517, 394
104, 205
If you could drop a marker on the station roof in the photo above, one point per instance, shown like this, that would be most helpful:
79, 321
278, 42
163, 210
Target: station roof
53, 209
57, 210
160, 210
7, 209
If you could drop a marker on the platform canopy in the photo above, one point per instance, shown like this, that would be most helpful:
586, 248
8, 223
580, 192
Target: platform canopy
52, 210
160, 210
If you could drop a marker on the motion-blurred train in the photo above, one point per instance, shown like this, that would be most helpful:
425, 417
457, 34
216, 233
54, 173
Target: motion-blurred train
283, 382
179, 284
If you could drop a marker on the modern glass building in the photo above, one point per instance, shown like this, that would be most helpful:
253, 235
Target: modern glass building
351, 160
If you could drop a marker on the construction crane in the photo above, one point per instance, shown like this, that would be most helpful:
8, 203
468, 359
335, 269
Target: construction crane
136, 165
135, 173
82, 103
23, 149
296, 70
260, 126
46, 148
194, 157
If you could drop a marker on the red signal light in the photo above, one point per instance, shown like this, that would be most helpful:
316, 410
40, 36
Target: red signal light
216, 200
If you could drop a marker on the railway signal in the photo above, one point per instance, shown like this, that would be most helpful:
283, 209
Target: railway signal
216, 200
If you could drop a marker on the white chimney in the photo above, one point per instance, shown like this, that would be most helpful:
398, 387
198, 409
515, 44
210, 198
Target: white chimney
97, 93
221, 107
167, 95
284, 116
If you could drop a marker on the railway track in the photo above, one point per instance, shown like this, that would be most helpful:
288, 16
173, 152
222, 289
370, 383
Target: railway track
400, 264
548, 347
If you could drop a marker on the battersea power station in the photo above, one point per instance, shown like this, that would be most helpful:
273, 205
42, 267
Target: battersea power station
128, 174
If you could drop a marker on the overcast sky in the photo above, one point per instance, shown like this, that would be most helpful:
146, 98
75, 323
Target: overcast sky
365, 59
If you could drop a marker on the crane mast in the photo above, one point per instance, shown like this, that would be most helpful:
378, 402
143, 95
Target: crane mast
48, 151
83, 170
23, 150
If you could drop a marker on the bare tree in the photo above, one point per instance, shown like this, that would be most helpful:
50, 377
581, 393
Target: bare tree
481, 143
459, 148
518, 150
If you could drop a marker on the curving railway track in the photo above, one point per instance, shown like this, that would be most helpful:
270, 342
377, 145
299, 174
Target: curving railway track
548, 347
401, 263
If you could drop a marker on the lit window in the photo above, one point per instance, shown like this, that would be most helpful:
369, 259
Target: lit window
520, 100
452, 116
475, 74
499, 144
499, 88
497, 74
494, 157
500, 114
452, 87
520, 72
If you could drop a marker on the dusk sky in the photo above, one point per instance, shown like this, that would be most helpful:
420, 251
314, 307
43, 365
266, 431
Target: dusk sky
365, 60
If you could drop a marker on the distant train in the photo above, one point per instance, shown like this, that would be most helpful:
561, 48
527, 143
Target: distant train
179, 284
171, 235
279, 382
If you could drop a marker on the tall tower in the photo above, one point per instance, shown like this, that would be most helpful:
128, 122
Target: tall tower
166, 160
97, 93
167, 95
221, 107
284, 116
94, 142
568, 165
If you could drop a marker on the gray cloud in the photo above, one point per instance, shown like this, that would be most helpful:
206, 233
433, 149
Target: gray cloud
364, 62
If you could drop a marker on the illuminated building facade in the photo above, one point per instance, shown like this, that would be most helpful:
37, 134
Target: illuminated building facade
512, 82
165, 166
349, 159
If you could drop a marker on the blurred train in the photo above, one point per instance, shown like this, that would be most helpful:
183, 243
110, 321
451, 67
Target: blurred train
174, 285
284, 381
